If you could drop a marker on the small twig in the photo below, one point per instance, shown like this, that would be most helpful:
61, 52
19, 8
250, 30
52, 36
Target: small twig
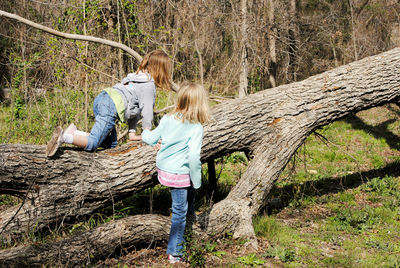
92, 68
327, 142
164, 109
51, 4
220, 171
20, 207
123, 134
215, 97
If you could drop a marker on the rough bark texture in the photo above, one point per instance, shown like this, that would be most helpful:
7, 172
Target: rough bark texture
284, 116
244, 72
271, 124
101, 242
73, 183
272, 34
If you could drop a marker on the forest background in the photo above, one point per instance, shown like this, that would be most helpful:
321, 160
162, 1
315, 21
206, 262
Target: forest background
283, 41
50, 81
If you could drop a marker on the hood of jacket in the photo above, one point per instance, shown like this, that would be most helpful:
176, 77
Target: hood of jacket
139, 77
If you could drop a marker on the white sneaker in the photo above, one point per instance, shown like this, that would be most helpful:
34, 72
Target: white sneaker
70, 129
174, 259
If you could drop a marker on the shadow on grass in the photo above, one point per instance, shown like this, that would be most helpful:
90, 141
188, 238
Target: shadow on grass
378, 131
284, 195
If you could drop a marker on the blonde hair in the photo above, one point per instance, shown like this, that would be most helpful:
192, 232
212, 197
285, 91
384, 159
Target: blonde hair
158, 65
192, 103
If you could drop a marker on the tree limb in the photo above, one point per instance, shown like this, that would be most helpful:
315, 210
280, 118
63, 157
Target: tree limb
73, 36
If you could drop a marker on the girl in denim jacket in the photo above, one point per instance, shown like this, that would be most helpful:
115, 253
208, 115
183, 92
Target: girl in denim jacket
178, 158
127, 101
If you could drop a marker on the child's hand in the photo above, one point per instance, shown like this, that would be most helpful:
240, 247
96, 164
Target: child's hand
134, 137
158, 145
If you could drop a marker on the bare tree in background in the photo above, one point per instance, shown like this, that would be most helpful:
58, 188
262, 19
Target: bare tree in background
243, 83
292, 41
272, 34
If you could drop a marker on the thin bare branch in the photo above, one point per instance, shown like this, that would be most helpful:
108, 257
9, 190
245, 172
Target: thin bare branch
73, 36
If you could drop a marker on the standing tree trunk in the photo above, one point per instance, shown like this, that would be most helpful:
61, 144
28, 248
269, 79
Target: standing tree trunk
271, 124
243, 83
293, 42
353, 30
272, 33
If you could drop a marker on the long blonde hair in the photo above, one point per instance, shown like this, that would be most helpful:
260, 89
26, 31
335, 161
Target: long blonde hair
192, 103
158, 65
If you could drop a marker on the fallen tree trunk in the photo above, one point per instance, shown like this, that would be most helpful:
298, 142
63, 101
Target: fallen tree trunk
270, 124
98, 243
73, 184
297, 110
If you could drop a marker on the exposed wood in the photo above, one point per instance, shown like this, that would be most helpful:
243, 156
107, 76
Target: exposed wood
295, 111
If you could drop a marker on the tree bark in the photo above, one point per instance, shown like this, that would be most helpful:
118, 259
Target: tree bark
286, 115
98, 243
271, 124
73, 184
272, 34
243, 83
293, 41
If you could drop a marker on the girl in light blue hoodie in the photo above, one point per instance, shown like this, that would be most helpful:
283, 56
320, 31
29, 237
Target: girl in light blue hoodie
127, 101
178, 158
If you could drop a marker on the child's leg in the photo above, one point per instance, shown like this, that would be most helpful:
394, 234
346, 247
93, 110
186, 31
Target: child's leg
178, 221
111, 141
191, 215
80, 141
191, 198
106, 115
113, 138
76, 137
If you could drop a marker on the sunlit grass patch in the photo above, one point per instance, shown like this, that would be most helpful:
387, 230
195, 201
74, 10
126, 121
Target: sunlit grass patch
341, 196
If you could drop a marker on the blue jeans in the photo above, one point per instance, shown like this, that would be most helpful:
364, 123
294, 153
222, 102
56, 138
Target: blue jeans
182, 204
103, 133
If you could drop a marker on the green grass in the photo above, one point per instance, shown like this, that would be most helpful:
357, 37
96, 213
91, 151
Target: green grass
342, 197
34, 122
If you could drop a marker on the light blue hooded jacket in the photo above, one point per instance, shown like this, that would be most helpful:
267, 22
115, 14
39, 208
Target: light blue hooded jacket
180, 147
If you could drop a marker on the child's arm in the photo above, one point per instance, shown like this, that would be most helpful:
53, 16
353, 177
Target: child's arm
132, 129
147, 104
152, 137
194, 157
